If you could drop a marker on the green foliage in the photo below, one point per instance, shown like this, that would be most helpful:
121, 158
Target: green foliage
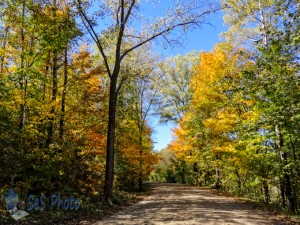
172, 170
175, 75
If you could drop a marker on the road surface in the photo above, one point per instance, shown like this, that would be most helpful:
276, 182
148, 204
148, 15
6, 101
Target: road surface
183, 204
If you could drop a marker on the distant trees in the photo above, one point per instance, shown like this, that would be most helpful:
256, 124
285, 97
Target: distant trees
174, 92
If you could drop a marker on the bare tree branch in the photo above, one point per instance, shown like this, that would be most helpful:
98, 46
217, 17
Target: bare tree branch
168, 29
87, 23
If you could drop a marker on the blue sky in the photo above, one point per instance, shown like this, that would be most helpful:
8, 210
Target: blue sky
203, 38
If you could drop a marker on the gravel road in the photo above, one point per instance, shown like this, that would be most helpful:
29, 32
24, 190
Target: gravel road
182, 204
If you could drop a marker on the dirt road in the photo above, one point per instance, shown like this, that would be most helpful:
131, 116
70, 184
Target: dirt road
181, 204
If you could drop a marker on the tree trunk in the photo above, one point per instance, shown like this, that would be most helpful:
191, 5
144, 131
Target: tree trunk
54, 88
109, 169
263, 24
218, 180
294, 190
140, 176
239, 180
23, 81
53, 99
266, 191
63, 98
2, 58
282, 193
288, 191
286, 176
140, 160
196, 172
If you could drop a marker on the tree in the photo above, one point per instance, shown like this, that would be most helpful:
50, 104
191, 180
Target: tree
273, 84
209, 133
122, 15
276, 83
249, 20
31, 81
144, 98
175, 94
165, 169
135, 102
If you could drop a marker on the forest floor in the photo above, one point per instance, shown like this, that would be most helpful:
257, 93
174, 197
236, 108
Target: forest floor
183, 204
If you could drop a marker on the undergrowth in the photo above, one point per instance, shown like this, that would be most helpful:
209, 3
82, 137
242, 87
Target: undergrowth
89, 212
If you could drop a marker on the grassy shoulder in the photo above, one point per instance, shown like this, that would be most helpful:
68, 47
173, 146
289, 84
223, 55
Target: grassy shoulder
271, 209
88, 213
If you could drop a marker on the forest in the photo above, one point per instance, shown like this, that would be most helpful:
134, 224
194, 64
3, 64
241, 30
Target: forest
80, 82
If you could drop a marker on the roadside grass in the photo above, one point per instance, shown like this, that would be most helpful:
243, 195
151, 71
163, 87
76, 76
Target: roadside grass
272, 209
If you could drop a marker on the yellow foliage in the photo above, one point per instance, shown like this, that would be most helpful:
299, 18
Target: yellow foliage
224, 121
251, 116
213, 76
138, 154
225, 148
216, 108
181, 145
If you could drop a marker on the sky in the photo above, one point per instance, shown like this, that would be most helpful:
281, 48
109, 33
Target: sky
203, 38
